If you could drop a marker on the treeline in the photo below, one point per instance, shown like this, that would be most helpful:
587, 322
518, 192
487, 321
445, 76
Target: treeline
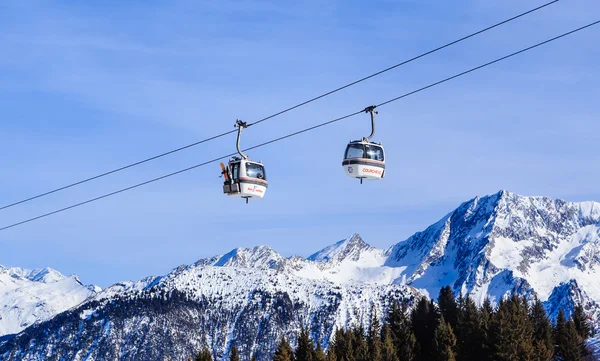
454, 329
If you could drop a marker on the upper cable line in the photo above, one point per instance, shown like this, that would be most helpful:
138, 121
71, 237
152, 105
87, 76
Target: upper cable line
278, 113
306, 129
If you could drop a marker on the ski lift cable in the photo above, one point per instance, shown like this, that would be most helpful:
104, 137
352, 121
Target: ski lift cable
406, 61
303, 130
278, 113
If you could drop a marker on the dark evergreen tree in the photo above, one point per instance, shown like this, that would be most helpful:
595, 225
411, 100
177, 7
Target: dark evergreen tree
571, 347
318, 354
373, 337
448, 306
434, 317
470, 333
443, 342
388, 351
233, 354
409, 349
342, 347
305, 348
331, 356
395, 317
204, 355
559, 334
402, 332
284, 351
511, 331
359, 344
486, 312
581, 322
543, 344
423, 321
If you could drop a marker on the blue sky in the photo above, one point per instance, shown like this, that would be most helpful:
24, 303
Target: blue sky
86, 87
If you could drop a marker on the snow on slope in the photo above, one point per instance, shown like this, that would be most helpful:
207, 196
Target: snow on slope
233, 285
29, 296
350, 260
173, 316
494, 245
488, 247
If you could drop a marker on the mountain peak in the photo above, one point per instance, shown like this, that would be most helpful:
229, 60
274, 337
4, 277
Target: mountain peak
29, 296
262, 257
42, 275
349, 248
46, 275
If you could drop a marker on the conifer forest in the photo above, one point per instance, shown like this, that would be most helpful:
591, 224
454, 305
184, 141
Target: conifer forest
453, 328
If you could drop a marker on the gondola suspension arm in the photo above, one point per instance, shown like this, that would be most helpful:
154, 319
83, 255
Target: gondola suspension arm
372, 111
240, 125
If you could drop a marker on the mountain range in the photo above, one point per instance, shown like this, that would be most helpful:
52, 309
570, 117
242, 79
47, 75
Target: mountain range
29, 296
488, 247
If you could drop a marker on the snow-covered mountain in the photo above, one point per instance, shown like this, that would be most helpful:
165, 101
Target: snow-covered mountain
488, 247
504, 243
173, 316
29, 296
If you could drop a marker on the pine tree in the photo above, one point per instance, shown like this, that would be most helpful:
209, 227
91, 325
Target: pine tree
305, 348
571, 347
448, 306
487, 306
394, 317
470, 333
421, 326
341, 347
373, 337
359, 345
511, 331
204, 355
559, 334
542, 333
331, 356
409, 349
403, 336
284, 351
569, 344
581, 322
486, 313
443, 342
233, 355
388, 351
318, 354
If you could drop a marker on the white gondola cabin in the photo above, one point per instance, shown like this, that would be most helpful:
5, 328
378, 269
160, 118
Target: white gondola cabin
244, 178
364, 159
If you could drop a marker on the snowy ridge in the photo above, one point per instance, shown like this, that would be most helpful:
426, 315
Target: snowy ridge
488, 247
350, 260
232, 285
197, 305
30, 296
348, 249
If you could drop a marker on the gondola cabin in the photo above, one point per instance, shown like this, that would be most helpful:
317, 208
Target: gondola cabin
245, 179
364, 160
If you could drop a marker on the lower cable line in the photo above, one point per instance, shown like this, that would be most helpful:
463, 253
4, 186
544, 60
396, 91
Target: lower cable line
301, 131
